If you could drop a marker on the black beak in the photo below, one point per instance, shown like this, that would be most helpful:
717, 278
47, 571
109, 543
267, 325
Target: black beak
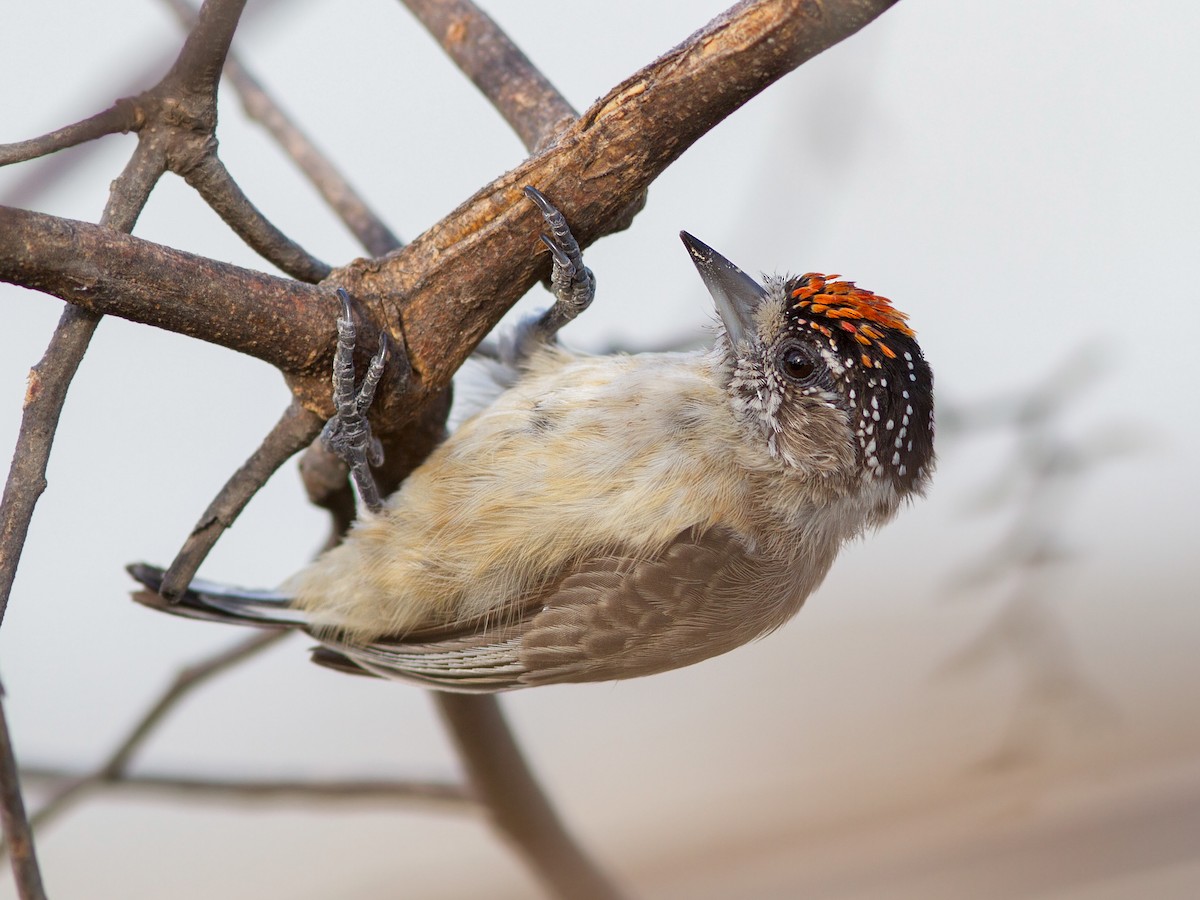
735, 293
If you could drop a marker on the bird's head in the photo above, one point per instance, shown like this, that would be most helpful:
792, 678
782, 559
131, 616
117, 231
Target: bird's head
829, 374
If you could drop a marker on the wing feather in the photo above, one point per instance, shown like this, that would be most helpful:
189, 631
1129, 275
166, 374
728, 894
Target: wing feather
611, 616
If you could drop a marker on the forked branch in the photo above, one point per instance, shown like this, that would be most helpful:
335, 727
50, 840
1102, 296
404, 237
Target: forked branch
452, 284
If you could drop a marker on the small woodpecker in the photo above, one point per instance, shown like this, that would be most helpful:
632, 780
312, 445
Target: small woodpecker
615, 516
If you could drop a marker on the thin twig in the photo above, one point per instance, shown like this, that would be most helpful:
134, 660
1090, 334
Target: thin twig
526, 99
51, 377
291, 434
197, 69
342, 198
122, 116
350, 207
17, 831
213, 182
128, 194
188, 680
356, 790
184, 105
44, 395
50, 170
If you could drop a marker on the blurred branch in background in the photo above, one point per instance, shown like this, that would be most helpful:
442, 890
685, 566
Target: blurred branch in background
1047, 468
68, 788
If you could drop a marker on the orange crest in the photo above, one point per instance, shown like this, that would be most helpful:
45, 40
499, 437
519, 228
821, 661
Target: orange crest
846, 304
821, 295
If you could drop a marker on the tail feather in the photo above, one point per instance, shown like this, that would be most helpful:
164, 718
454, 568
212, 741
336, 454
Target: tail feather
339, 662
214, 602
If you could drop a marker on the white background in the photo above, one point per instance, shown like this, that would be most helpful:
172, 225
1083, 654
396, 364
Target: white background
1019, 177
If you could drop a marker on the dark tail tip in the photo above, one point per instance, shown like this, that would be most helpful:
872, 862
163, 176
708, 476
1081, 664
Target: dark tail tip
339, 662
150, 577
147, 575
189, 604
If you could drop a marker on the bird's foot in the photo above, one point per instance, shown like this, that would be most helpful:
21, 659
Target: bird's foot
571, 282
348, 433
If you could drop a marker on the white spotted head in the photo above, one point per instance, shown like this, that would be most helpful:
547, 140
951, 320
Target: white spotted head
811, 352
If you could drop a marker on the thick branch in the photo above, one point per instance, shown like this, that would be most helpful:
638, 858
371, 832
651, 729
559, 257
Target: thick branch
278, 320
524, 96
451, 285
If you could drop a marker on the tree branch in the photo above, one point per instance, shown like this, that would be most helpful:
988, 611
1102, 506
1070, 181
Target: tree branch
123, 116
43, 406
449, 287
188, 679
526, 99
357, 790
128, 194
504, 784
44, 395
182, 113
342, 198
197, 69
213, 182
350, 207
290, 435
17, 832
278, 320
49, 170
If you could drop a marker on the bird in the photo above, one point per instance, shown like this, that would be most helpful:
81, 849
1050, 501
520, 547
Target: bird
620, 515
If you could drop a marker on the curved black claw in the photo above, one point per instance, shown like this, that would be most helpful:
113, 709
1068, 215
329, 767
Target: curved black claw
571, 282
560, 256
348, 433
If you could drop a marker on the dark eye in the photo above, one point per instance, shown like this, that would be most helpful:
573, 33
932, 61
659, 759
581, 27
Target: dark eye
799, 364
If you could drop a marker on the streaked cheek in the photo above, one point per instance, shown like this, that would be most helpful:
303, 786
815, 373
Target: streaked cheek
817, 435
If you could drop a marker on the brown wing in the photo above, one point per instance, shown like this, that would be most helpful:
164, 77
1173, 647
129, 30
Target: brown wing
611, 617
